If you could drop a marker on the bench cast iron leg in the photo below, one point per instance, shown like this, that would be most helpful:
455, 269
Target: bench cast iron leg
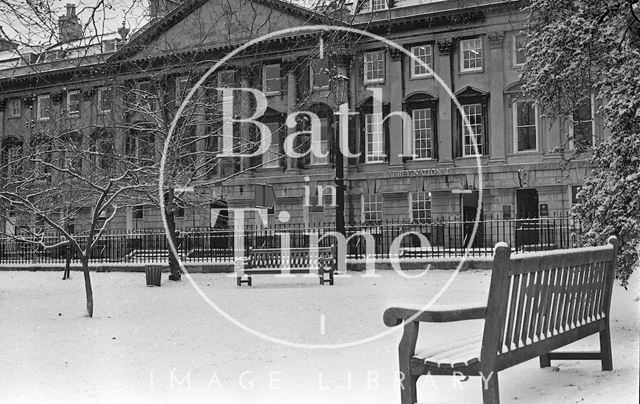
409, 392
490, 390
545, 362
605, 349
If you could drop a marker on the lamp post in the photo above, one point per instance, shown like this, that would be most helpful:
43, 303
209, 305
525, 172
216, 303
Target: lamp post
340, 91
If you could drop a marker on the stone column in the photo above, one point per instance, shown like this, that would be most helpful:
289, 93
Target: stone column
445, 111
495, 70
395, 77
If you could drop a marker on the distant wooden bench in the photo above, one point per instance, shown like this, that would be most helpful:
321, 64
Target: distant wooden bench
299, 261
537, 302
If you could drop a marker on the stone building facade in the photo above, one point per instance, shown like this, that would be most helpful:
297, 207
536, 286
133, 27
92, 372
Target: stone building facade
431, 169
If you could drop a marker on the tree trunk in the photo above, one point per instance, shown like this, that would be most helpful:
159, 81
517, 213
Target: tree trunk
87, 285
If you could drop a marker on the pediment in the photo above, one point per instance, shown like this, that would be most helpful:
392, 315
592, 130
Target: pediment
204, 24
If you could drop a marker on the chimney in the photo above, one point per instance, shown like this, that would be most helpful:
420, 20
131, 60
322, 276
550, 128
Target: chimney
160, 8
69, 25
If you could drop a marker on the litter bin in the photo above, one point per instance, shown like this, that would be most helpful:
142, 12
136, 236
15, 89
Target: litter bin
154, 274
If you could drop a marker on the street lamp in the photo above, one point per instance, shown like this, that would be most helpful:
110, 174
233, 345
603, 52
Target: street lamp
340, 91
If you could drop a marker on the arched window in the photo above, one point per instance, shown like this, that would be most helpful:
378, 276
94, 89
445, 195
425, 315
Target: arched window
475, 104
101, 149
423, 111
374, 132
11, 154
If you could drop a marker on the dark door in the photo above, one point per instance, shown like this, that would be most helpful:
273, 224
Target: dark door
527, 232
469, 212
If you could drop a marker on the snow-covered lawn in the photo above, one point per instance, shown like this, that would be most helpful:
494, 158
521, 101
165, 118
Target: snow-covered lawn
168, 345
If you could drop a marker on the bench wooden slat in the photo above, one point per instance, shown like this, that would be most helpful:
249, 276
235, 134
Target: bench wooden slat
545, 290
513, 303
524, 280
547, 325
558, 259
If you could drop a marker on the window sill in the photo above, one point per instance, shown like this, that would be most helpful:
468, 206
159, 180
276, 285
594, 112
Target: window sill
463, 72
525, 153
273, 93
423, 77
373, 82
14, 117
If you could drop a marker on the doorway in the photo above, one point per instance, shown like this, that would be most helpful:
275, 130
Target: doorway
469, 212
527, 226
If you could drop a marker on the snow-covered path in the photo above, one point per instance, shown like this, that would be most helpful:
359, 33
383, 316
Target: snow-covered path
167, 345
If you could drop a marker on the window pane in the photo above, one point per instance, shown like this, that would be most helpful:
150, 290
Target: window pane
422, 133
424, 54
374, 66
105, 96
471, 54
272, 78
372, 207
474, 115
526, 125
373, 133
519, 52
583, 126
421, 206
378, 5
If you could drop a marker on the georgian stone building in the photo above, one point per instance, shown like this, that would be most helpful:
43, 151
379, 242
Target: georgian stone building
429, 169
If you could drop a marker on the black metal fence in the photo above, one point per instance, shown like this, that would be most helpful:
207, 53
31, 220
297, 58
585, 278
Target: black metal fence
441, 237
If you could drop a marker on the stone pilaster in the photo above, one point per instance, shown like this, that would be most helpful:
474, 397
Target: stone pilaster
395, 77
292, 100
495, 70
445, 131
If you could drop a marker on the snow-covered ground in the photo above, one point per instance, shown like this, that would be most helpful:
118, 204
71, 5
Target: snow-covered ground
168, 345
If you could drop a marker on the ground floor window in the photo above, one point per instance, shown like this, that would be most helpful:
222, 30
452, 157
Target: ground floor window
371, 207
420, 203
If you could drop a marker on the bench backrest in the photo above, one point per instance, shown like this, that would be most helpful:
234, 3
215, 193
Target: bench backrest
541, 301
297, 257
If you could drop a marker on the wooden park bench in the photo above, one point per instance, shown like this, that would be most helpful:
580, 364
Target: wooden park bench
265, 261
537, 302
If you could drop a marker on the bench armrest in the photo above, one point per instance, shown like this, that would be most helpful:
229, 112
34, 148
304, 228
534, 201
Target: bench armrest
394, 316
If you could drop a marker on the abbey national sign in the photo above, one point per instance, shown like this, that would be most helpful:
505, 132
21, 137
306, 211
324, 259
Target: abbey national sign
422, 172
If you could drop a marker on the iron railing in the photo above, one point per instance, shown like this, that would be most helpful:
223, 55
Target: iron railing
446, 237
